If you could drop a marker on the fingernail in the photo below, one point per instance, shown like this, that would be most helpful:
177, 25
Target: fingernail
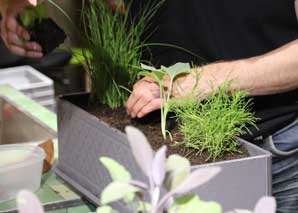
133, 115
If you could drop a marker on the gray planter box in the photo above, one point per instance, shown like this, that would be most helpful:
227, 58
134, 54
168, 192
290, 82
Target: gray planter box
83, 138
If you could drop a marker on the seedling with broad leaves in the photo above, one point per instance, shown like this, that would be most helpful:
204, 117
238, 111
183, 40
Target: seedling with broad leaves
158, 75
169, 181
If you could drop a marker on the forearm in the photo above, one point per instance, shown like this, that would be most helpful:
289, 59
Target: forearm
271, 73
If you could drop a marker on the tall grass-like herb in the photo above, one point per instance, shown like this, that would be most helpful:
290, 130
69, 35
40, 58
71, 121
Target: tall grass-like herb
114, 41
211, 125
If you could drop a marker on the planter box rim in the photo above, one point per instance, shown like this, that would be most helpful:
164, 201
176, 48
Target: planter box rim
91, 116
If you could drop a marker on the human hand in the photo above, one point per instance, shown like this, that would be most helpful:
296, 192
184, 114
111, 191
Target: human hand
117, 4
15, 37
144, 98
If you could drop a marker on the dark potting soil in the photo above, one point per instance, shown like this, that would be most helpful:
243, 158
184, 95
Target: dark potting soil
48, 34
150, 126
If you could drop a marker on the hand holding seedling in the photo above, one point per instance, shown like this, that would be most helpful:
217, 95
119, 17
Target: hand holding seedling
144, 99
16, 37
154, 91
146, 94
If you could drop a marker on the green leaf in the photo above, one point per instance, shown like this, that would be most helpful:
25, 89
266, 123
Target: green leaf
178, 169
80, 56
146, 67
177, 69
116, 170
41, 11
27, 18
192, 203
143, 207
117, 173
157, 75
105, 209
116, 191
30, 14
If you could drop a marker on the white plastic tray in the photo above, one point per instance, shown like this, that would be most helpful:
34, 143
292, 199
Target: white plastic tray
31, 82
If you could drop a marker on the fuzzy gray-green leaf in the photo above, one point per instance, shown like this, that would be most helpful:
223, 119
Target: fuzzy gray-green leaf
266, 205
159, 166
192, 203
141, 149
116, 191
196, 178
116, 170
178, 169
105, 209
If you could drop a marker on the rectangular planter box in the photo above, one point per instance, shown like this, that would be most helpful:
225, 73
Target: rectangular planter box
83, 138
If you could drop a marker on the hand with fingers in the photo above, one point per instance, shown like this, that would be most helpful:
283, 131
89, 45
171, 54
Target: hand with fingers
15, 37
144, 98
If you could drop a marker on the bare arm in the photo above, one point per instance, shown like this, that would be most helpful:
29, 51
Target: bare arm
271, 73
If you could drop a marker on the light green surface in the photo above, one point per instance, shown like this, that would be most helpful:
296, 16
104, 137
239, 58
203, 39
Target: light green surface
50, 181
46, 194
35, 109
80, 209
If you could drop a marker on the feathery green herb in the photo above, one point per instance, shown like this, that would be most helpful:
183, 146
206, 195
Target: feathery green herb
212, 125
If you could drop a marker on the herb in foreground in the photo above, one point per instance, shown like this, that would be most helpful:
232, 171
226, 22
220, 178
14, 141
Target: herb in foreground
212, 125
165, 90
171, 175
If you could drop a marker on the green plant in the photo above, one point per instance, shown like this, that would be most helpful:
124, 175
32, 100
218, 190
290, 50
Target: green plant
31, 14
212, 125
165, 90
171, 175
114, 40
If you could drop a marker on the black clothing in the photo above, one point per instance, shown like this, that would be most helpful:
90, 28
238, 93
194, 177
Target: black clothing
227, 30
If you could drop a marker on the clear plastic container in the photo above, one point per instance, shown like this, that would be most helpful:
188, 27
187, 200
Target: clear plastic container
20, 168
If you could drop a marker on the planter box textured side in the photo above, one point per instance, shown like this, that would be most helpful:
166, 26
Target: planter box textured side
83, 139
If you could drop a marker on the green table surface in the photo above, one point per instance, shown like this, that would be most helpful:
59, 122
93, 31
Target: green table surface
54, 193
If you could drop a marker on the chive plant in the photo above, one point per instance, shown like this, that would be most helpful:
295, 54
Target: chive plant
211, 125
114, 40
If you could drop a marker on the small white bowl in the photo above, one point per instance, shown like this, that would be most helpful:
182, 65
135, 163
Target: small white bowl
20, 168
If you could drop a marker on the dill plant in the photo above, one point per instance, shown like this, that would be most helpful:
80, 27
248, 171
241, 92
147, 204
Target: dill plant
114, 39
212, 125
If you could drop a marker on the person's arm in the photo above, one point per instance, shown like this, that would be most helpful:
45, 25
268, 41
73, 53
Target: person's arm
14, 36
271, 73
